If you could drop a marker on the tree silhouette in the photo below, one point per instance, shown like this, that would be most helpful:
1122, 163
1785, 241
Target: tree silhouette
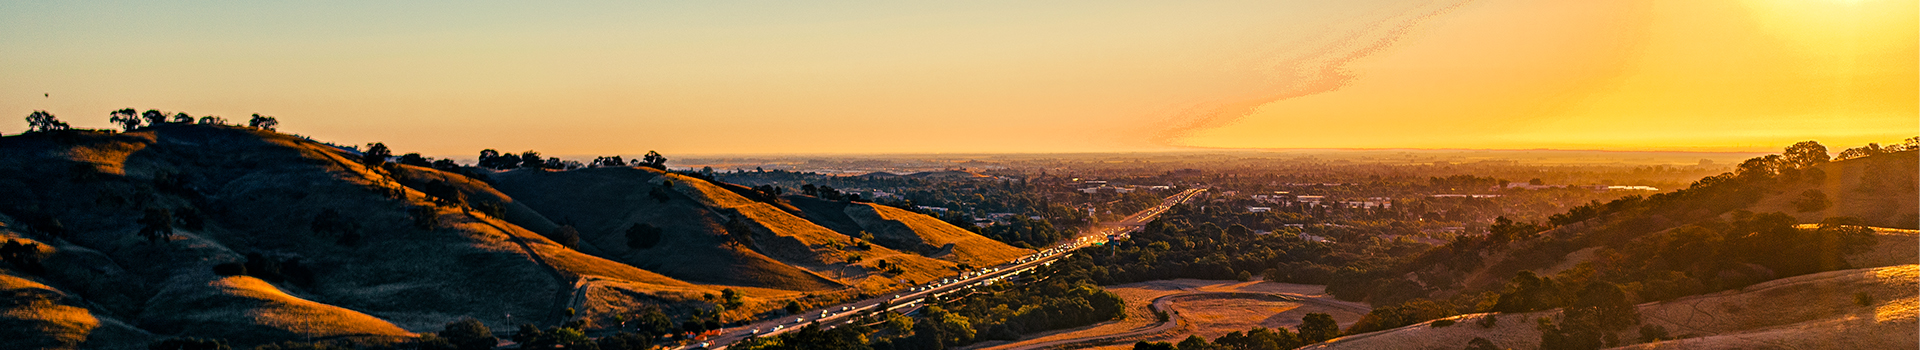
182, 118
263, 122
738, 233
1318, 327
468, 334
376, 154
643, 236
566, 236
489, 159
213, 120
415, 159
154, 117
531, 159
654, 160
127, 118
1806, 154
508, 161
43, 121
157, 225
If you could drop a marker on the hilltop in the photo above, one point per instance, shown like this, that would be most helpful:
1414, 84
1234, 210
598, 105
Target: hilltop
1739, 241
256, 236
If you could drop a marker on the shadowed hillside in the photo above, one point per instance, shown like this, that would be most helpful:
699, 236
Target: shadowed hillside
698, 230
136, 229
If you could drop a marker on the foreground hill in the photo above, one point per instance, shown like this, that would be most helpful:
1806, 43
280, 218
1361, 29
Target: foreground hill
119, 239
790, 248
387, 263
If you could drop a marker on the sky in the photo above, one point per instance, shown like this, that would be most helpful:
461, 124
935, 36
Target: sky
766, 77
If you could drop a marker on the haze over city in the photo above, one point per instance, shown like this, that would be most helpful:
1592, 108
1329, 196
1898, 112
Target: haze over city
450, 78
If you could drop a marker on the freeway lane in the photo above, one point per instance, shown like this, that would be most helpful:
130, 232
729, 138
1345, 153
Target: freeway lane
840, 314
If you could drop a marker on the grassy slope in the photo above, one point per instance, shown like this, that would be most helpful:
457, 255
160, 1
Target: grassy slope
603, 202
1885, 206
1808, 311
906, 231
1879, 189
258, 191
50, 323
950, 242
803, 244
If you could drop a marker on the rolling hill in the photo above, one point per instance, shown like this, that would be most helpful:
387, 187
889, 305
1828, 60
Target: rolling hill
275, 237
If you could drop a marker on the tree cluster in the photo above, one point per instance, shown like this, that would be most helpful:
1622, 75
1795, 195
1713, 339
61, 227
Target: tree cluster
493, 159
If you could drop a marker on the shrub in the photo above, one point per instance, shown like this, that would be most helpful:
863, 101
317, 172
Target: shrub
1862, 299
1442, 323
468, 334
644, 236
566, 236
1652, 332
425, 218
1489, 321
1479, 343
230, 269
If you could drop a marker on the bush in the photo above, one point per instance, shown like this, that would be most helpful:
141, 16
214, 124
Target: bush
1442, 323
566, 236
230, 269
1489, 321
644, 236
468, 334
1651, 333
1862, 299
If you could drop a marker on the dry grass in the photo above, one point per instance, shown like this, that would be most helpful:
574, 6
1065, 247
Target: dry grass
962, 246
1208, 318
1892, 204
246, 310
1815, 311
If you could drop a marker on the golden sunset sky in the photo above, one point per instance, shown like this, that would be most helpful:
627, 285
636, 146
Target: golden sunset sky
708, 77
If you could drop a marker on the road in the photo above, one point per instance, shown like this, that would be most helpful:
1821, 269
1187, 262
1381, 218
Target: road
913, 296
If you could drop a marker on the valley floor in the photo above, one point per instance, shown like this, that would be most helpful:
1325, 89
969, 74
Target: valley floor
1212, 313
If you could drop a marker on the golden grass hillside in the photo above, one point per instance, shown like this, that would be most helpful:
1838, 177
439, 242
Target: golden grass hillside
789, 252
603, 203
949, 242
393, 264
1817, 311
905, 231
1879, 190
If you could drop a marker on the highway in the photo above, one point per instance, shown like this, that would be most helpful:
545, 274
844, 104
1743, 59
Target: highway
911, 298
